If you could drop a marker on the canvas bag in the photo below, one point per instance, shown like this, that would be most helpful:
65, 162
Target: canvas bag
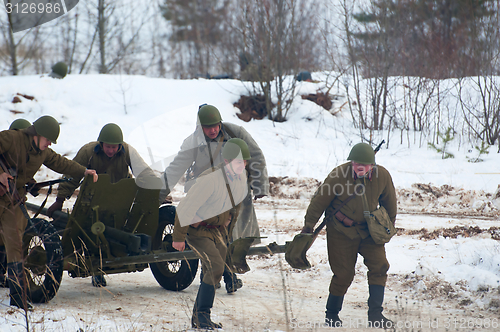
379, 223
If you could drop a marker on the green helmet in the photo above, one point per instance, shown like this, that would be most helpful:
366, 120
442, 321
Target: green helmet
59, 70
209, 115
111, 134
47, 127
362, 153
20, 124
236, 148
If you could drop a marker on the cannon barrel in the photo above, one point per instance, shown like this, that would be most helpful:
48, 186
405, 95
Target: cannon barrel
162, 256
60, 218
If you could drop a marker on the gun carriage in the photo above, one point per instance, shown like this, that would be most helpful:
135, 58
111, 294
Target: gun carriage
113, 228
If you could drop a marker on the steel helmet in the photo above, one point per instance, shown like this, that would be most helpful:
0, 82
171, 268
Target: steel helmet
20, 124
111, 134
59, 70
236, 148
362, 153
209, 115
47, 127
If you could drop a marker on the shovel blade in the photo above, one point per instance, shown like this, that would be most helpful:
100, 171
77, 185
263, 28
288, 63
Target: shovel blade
237, 253
296, 251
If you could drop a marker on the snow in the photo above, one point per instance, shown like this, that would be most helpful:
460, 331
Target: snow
432, 279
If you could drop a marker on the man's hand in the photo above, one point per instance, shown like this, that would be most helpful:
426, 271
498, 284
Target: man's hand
179, 246
57, 206
306, 230
4, 179
256, 197
91, 172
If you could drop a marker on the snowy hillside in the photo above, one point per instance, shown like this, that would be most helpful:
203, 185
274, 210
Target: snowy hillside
450, 269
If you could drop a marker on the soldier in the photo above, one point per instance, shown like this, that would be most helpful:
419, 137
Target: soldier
205, 218
22, 153
16, 124
109, 155
202, 150
347, 231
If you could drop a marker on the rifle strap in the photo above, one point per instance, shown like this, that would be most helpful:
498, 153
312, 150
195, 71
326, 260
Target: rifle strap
44, 202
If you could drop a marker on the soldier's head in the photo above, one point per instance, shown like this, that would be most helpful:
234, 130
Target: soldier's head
47, 131
19, 124
236, 154
362, 158
210, 119
111, 139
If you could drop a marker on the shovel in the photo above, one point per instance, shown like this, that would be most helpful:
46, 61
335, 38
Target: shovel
296, 250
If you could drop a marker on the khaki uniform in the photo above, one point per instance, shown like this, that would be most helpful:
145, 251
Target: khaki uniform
19, 152
210, 194
92, 156
344, 243
195, 156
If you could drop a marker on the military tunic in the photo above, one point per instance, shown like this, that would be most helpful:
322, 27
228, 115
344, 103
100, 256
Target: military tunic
344, 243
20, 152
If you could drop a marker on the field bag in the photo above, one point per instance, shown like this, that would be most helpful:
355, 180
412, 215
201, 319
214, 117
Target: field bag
379, 223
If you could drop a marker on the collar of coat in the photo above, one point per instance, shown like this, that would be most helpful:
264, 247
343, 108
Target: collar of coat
369, 177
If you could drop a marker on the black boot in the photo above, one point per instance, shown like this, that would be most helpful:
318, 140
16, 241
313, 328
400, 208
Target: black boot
99, 281
3, 268
201, 311
375, 317
201, 279
333, 307
231, 280
17, 285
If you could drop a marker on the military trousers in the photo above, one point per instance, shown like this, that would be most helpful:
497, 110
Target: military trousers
12, 226
212, 255
342, 255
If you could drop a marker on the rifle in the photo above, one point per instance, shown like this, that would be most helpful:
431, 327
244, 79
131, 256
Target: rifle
34, 189
379, 146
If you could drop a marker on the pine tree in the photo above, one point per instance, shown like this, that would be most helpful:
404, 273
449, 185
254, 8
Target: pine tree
445, 139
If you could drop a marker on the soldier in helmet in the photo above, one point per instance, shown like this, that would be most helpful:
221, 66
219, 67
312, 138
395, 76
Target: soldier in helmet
347, 231
205, 218
22, 152
201, 151
19, 124
59, 70
108, 155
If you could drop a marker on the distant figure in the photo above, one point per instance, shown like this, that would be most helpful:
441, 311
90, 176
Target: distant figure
59, 70
19, 124
304, 76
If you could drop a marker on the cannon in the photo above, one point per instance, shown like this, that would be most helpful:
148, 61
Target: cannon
113, 228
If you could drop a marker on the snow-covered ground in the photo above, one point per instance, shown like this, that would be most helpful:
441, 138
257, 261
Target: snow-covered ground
445, 265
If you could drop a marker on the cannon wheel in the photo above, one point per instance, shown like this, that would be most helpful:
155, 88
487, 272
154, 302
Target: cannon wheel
173, 275
43, 260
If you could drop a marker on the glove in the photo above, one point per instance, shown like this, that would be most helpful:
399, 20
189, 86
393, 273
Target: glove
57, 206
306, 230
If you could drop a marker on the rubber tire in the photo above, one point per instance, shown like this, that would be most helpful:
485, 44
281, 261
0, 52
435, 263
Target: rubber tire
174, 275
43, 287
